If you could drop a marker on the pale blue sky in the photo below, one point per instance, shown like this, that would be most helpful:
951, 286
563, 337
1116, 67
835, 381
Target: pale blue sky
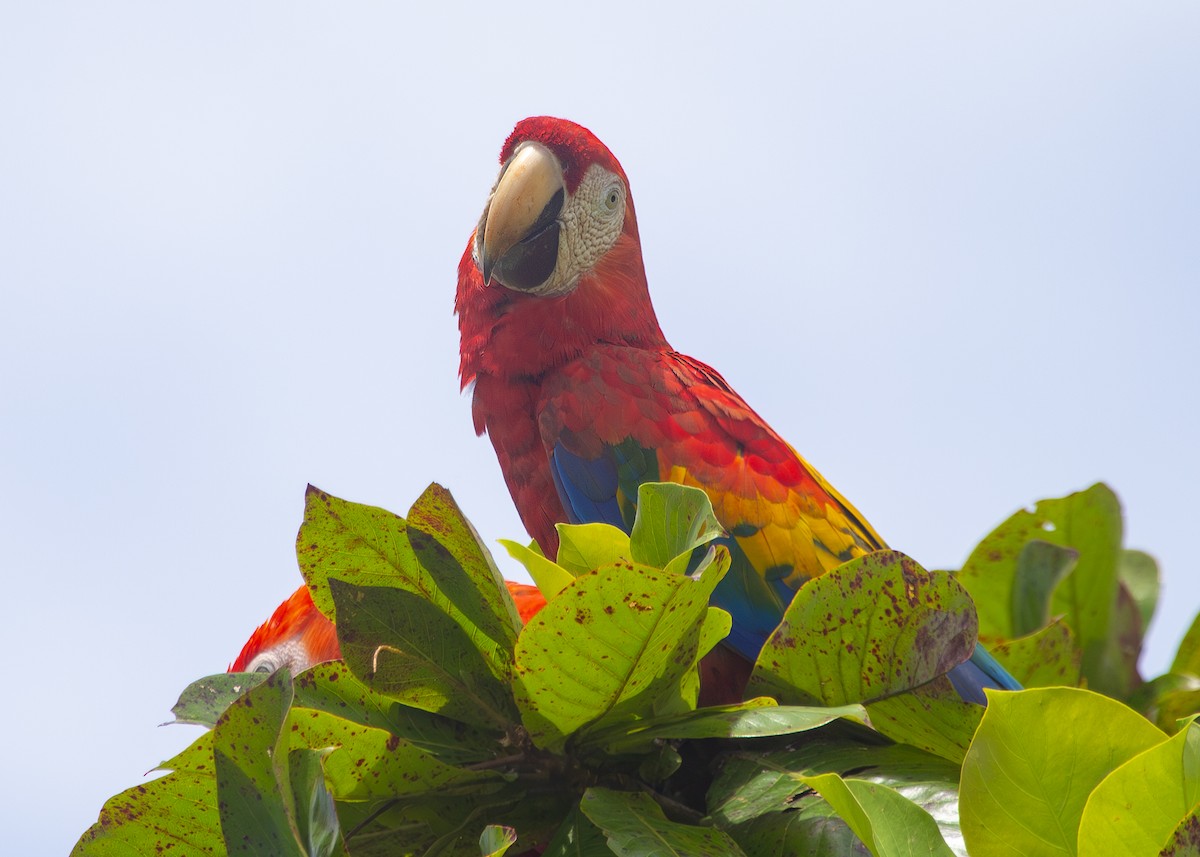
949, 252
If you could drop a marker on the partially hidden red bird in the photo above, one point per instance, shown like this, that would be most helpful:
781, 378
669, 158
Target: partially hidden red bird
297, 635
584, 399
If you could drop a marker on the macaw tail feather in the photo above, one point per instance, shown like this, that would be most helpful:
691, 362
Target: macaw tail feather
981, 671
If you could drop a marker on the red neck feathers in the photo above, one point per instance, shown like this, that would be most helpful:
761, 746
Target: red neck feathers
510, 335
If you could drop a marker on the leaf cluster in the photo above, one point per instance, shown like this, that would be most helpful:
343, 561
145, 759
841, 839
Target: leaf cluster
449, 728
1062, 602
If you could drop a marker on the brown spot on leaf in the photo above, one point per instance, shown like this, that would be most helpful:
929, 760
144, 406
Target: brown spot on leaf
1186, 839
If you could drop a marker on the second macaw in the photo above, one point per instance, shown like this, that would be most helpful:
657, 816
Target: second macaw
584, 399
298, 635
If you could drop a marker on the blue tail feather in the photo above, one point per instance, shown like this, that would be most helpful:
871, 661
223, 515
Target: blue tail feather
980, 671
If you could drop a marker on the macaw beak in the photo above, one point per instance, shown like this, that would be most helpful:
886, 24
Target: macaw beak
518, 235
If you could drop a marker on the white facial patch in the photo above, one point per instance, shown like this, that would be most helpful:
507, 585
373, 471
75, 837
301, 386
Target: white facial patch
591, 223
291, 654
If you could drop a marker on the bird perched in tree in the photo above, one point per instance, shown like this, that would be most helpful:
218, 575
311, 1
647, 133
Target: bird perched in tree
298, 635
584, 399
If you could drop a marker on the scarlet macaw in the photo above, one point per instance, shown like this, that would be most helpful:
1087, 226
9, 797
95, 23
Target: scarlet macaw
584, 399
298, 635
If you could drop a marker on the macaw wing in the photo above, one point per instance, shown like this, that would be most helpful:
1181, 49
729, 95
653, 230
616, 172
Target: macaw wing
621, 417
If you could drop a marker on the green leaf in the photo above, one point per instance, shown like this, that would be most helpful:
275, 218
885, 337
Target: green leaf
172, 814
332, 688
716, 627
932, 717
550, 577
875, 626
672, 520
754, 792
1175, 706
889, 824
1138, 572
583, 548
1046, 658
496, 840
577, 837
250, 756
205, 700
371, 764
1147, 697
755, 718
611, 645
810, 827
635, 826
196, 758
402, 645
659, 763
753, 783
1125, 636
1141, 803
1041, 566
367, 546
316, 816
1187, 658
360, 544
448, 547
1185, 839
1089, 522
1036, 757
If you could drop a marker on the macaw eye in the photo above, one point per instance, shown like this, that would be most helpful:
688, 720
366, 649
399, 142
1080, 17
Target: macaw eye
612, 198
264, 663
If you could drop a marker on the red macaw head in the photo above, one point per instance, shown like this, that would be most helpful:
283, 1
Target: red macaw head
555, 259
297, 635
560, 204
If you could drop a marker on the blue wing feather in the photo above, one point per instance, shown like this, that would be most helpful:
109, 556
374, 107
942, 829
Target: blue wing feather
590, 491
587, 487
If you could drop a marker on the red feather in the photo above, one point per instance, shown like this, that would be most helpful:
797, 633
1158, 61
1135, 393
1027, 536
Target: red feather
529, 599
298, 619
